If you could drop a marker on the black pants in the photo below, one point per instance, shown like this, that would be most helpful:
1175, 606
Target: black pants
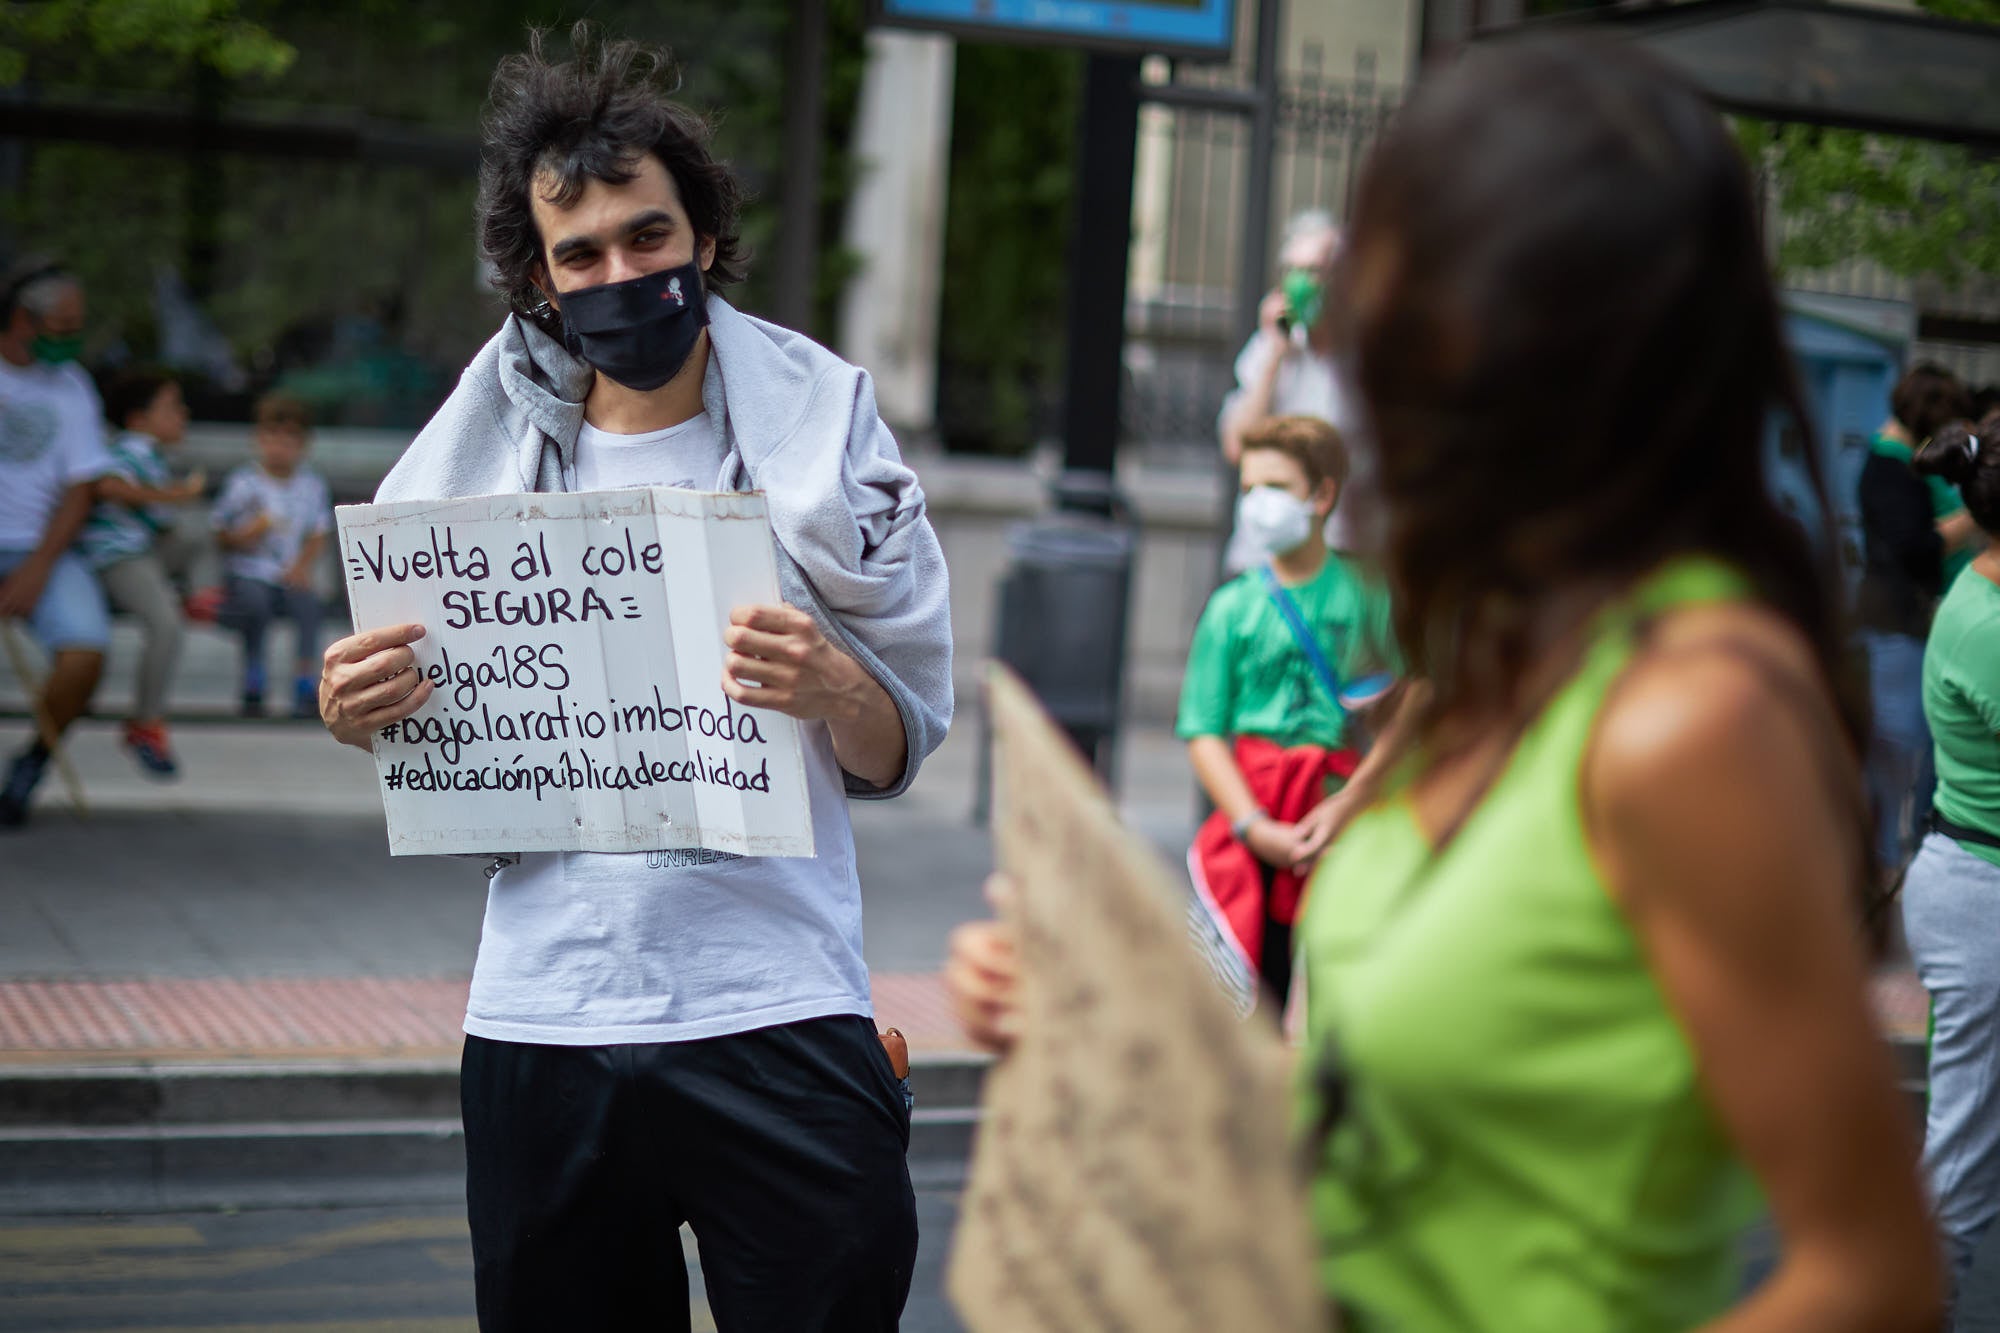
1275, 973
784, 1150
1274, 965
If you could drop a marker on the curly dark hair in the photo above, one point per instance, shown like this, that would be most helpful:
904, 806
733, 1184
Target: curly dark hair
591, 117
1968, 457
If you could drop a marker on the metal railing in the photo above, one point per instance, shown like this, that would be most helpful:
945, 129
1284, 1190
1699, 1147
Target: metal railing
1181, 319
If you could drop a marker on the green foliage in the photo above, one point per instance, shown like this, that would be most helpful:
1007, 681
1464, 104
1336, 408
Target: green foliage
1912, 206
1974, 11
315, 263
180, 33
1006, 243
746, 76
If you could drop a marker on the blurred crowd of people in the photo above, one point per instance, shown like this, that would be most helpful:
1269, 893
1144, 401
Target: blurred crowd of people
97, 519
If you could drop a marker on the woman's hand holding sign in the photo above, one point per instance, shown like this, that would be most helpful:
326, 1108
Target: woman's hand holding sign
779, 660
371, 680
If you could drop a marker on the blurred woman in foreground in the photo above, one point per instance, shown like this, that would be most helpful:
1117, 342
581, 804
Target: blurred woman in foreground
1586, 969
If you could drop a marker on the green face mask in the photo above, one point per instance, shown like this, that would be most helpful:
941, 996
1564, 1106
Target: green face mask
54, 351
1305, 296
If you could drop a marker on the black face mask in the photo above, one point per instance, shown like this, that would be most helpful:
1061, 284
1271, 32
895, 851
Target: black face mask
639, 332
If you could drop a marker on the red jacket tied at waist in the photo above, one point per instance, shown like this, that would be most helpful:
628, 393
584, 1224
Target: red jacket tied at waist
1232, 882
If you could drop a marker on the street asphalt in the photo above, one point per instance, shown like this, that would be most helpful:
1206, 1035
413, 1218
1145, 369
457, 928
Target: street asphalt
341, 1270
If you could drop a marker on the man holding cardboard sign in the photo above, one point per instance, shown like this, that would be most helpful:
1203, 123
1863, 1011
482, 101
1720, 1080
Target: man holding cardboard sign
664, 1037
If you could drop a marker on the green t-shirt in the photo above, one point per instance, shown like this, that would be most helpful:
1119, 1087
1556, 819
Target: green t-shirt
1962, 704
1247, 676
1945, 501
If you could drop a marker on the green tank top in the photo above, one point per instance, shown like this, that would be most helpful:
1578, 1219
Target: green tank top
1525, 1143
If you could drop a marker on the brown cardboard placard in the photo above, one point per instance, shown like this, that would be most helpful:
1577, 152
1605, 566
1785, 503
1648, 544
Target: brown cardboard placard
1133, 1169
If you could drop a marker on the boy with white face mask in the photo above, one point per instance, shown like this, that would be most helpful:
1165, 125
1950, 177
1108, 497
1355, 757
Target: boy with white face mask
1280, 655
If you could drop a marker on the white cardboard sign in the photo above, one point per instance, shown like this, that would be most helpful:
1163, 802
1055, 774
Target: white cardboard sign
575, 643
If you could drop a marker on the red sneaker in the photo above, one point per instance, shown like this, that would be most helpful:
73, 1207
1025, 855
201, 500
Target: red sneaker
148, 743
203, 605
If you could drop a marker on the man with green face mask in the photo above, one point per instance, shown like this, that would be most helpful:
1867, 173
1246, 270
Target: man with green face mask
51, 455
1288, 368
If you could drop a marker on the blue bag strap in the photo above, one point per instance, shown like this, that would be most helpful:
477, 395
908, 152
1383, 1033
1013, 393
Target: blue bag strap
1295, 621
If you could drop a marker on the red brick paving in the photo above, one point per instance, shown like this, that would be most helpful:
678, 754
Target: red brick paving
47, 1022
336, 1017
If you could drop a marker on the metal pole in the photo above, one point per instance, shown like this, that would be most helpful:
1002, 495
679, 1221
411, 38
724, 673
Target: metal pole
202, 243
1254, 270
798, 227
1100, 253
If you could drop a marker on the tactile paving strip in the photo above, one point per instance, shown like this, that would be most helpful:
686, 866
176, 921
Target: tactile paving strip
167, 1019
316, 1017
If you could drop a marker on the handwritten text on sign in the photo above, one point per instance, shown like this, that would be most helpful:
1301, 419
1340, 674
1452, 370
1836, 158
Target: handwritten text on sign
575, 643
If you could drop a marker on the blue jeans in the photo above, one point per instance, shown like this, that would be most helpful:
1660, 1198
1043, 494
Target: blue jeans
252, 605
1951, 913
1901, 770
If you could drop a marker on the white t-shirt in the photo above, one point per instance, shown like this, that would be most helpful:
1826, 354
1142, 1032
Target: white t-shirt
299, 506
688, 456
1308, 385
51, 438
599, 948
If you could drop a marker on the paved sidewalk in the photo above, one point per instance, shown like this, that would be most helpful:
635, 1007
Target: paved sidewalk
250, 911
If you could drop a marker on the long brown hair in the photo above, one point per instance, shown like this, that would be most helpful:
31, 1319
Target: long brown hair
1569, 348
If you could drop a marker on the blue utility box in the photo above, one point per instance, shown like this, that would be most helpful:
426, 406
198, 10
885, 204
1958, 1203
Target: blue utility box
1849, 353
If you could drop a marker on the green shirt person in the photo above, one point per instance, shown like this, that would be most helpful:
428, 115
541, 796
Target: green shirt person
1951, 894
1245, 674
1962, 704
1927, 399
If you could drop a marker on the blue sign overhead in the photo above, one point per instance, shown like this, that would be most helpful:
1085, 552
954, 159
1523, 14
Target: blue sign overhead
1197, 28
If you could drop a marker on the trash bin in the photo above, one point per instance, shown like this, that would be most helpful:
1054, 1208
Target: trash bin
1062, 612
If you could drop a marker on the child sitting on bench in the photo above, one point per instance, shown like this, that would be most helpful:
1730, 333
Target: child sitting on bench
272, 520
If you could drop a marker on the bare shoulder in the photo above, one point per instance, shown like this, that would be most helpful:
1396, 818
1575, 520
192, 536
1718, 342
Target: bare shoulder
1719, 745
1716, 691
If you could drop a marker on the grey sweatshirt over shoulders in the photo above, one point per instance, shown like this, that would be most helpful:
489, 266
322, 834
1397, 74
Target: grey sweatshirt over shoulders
855, 548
